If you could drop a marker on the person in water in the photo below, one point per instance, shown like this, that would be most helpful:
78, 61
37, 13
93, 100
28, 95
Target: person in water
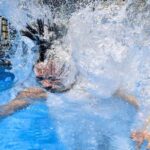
51, 70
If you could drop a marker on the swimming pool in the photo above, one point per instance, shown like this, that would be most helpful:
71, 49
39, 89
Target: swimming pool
30, 129
110, 50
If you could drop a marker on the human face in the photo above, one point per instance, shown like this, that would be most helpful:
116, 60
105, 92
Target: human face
47, 73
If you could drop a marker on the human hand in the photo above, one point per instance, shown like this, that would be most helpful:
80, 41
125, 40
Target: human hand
139, 137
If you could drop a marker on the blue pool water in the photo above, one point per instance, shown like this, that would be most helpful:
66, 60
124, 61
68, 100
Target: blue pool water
29, 129
110, 46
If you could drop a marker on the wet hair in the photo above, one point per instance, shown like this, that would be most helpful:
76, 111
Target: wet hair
35, 32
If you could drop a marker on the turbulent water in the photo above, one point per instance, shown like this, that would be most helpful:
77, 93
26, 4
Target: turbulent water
109, 43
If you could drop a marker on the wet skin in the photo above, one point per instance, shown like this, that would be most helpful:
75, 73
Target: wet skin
48, 76
22, 100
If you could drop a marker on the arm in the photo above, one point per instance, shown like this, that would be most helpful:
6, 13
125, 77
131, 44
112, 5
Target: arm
12, 107
143, 134
127, 97
22, 100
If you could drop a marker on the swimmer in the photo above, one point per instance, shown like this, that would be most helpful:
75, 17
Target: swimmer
51, 70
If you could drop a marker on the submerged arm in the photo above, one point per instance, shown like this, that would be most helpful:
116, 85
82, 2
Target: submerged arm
138, 136
142, 134
23, 100
127, 97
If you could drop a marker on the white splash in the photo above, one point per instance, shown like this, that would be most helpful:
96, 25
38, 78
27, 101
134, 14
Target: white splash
109, 49
110, 46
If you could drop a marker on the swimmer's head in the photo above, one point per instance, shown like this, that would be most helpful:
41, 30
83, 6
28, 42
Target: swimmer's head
48, 75
48, 68
43, 33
